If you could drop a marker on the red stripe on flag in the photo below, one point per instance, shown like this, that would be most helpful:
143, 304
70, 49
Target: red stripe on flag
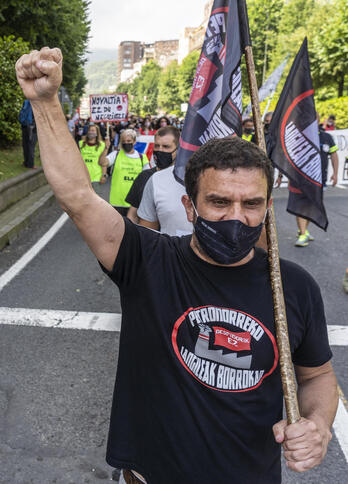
234, 107
293, 189
188, 146
218, 10
282, 131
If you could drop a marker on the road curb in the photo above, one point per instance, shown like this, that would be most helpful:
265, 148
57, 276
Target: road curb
19, 215
15, 189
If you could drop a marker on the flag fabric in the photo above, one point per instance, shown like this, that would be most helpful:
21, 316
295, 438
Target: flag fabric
268, 88
293, 142
215, 105
144, 145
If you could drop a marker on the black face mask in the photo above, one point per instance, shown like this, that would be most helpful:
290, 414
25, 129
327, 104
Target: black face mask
248, 131
266, 127
127, 147
163, 159
226, 241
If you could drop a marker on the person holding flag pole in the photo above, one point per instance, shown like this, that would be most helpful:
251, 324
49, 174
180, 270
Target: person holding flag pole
299, 149
198, 396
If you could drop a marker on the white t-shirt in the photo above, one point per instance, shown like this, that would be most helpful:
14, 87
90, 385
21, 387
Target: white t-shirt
161, 202
112, 156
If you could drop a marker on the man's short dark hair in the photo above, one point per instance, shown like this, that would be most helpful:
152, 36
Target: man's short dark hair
247, 120
226, 154
175, 132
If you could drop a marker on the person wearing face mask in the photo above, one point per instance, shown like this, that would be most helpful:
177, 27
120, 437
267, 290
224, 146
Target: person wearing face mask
266, 122
330, 123
160, 207
198, 395
127, 163
146, 128
93, 151
165, 140
248, 129
162, 122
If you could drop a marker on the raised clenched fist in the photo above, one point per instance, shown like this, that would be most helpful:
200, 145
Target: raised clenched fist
40, 73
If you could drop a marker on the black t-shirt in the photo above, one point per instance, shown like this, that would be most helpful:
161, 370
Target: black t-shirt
136, 192
326, 145
198, 384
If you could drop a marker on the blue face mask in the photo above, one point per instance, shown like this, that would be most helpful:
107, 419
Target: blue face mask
226, 241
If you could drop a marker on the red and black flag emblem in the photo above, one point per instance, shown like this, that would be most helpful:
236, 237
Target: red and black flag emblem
293, 143
215, 104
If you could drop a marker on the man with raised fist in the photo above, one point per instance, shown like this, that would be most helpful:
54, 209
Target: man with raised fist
198, 396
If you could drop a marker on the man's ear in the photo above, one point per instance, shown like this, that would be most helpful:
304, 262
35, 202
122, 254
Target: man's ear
270, 203
186, 201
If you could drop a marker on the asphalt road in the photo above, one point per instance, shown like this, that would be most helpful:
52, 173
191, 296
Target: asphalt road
56, 384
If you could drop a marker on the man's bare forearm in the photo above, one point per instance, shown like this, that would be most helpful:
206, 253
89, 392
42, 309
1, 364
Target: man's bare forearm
62, 162
318, 399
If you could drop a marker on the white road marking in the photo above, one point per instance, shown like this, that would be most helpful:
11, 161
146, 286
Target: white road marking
47, 318
340, 427
14, 270
338, 335
345, 187
50, 318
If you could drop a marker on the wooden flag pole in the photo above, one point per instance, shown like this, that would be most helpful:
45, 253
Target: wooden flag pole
281, 325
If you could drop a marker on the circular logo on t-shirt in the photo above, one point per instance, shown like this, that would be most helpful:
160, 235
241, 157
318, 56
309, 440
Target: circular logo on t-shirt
224, 349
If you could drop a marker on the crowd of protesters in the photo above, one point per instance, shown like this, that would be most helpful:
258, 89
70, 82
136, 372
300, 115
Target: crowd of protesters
102, 145
142, 125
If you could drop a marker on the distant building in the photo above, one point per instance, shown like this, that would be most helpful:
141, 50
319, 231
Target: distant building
166, 51
129, 52
191, 38
133, 55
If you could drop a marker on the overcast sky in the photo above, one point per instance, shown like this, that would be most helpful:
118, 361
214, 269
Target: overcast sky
113, 21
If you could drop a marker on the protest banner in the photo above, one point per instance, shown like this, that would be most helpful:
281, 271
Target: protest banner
340, 137
108, 107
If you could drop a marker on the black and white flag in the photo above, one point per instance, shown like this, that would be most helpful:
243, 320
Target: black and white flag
293, 143
215, 105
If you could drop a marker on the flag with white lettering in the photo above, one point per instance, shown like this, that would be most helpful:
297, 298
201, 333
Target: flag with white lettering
293, 142
215, 104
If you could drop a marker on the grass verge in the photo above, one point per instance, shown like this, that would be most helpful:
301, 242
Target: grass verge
11, 161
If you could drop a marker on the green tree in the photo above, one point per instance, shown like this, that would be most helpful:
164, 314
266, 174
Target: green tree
168, 92
62, 23
264, 19
328, 45
146, 88
123, 87
186, 74
292, 29
10, 93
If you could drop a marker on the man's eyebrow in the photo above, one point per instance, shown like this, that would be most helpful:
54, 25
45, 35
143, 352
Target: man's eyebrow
214, 196
255, 199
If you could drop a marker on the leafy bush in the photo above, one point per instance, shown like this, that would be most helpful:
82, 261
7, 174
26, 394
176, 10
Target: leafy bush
337, 106
10, 93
